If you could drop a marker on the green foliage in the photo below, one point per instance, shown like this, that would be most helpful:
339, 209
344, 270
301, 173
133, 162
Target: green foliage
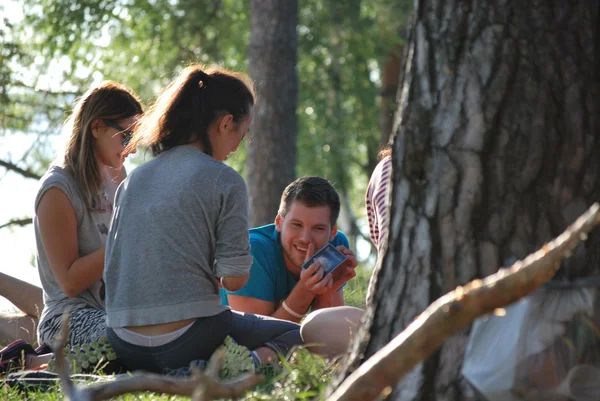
355, 292
140, 43
11, 54
304, 376
342, 46
237, 360
13, 394
88, 358
14, 112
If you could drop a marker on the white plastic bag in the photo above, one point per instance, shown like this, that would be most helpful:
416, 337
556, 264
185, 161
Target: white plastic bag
546, 347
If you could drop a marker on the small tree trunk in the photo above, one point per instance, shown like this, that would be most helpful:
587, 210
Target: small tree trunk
496, 152
272, 55
390, 78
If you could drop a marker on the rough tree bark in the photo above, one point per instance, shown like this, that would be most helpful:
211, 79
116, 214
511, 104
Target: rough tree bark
458, 309
272, 55
495, 152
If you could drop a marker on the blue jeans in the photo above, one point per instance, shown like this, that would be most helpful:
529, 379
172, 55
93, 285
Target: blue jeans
204, 336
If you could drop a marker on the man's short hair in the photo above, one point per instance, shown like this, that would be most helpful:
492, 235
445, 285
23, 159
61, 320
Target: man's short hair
312, 191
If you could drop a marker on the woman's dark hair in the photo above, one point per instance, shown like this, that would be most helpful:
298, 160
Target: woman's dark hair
184, 111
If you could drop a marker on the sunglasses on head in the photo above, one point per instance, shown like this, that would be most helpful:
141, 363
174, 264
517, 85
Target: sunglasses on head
126, 132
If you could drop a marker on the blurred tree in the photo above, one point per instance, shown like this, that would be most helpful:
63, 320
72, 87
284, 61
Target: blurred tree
272, 57
390, 78
343, 46
24, 104
495, 154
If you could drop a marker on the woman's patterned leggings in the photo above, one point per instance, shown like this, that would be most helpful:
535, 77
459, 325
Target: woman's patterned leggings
86, 325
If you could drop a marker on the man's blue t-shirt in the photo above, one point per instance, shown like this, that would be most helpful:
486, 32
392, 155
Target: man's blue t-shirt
269, 279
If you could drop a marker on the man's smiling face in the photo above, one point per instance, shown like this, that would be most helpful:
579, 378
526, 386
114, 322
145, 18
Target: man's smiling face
301, 226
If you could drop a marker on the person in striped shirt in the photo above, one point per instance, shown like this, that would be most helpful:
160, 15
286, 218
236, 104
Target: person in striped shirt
377, 204
332, 328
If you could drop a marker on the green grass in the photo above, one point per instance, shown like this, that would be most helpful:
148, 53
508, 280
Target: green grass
304, 376
355, 292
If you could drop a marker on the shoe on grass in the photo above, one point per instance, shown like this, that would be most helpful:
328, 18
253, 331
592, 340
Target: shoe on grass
14, 356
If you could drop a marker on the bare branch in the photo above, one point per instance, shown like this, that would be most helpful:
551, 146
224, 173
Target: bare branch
458, 309
214, 389
215, 363
24, 172
17, 222
204, 386
61, 362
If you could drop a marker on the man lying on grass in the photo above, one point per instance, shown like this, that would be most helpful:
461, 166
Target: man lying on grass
278, 286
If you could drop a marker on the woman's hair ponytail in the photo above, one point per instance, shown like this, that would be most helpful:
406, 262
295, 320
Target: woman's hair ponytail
184, 111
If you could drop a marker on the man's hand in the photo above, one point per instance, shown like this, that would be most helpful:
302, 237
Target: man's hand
340, 276
312, 277
346, 271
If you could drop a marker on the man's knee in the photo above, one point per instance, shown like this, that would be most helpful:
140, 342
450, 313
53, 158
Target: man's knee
340, 315
329, 331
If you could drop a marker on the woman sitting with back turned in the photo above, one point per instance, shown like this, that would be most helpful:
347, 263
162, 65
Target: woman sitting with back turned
180, 231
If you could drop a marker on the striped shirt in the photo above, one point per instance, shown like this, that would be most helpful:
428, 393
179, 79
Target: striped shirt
377, 203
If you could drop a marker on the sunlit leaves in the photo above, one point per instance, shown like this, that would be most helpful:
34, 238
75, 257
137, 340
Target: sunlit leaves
341, 47
144, 43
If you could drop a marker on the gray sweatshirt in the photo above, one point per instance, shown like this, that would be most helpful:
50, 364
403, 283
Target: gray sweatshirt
180, 221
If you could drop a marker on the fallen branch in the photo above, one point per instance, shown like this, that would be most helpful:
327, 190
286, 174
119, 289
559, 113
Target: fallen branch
24, 172
458, 309
17, 222
202, 386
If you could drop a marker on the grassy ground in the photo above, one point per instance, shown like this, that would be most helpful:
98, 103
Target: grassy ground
305, 376
355, 291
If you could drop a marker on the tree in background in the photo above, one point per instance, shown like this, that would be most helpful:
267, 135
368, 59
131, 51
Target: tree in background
390, 78
343, 47
496, 152
272, 58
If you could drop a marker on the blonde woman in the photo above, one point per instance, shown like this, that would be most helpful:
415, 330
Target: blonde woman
73, 210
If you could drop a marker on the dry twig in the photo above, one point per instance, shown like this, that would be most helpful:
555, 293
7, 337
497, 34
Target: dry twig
458, 309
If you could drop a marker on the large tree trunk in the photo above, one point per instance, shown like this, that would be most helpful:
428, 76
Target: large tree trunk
272, 55
495, 153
